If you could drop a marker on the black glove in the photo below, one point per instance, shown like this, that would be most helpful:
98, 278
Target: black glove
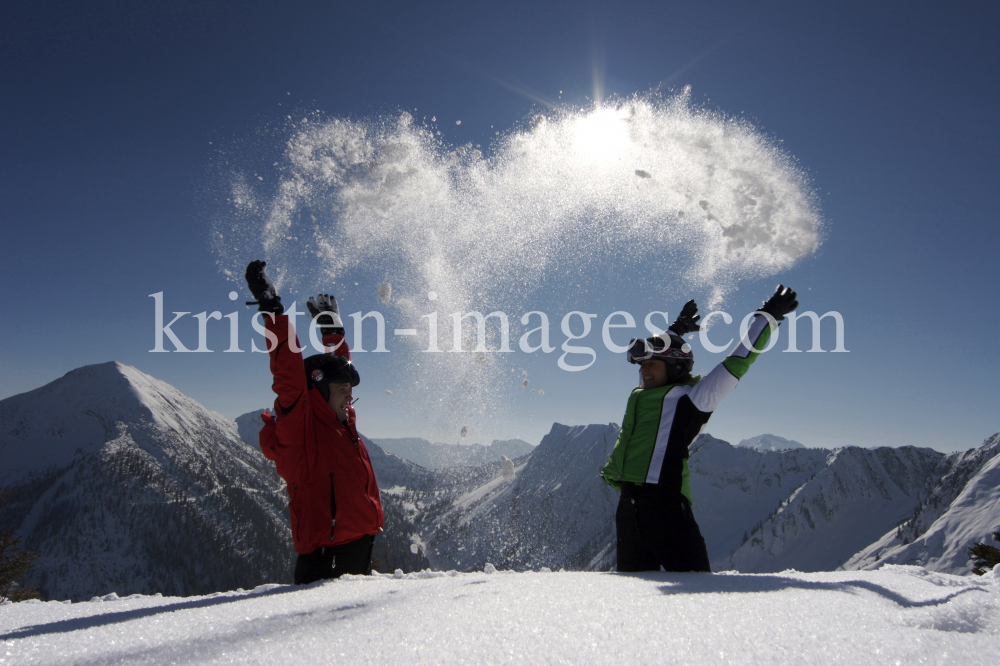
687, 321
781, 303
262, 289
326, 312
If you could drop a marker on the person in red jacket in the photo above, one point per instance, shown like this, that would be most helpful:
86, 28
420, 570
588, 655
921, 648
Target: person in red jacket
311, 437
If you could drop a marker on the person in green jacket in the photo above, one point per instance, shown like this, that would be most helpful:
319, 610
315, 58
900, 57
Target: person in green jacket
649, 464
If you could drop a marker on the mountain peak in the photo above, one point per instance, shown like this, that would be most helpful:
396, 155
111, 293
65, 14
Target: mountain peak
119, 479
768, 442
84, 409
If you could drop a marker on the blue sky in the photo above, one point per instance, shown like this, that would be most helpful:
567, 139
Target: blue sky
117, 121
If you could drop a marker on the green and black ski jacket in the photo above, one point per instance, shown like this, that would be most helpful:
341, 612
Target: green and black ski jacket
661, 423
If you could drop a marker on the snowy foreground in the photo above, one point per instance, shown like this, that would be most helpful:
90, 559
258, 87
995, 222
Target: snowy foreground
899, 614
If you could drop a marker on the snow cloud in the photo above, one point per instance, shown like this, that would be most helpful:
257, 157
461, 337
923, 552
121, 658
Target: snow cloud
655, 177
700, 200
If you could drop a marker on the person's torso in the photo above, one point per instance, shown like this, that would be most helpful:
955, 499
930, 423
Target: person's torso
658, 427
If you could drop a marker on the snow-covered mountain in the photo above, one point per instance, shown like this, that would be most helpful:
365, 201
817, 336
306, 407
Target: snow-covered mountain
962, 509
770, 443
556, 512
852, 501
123, 483
759, 511
439, 456
735, 489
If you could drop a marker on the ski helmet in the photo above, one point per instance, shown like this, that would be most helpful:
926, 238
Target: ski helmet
667, 347
322, 369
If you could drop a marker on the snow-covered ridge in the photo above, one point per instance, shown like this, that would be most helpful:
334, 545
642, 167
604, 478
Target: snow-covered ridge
125, 484
807, 509
47, 427
852, 501
770, 443
963, 509
555, 512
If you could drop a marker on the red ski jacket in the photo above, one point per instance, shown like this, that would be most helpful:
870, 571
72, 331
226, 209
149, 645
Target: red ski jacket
331, 484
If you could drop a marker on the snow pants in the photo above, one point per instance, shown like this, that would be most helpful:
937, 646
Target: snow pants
657, 528
349, 558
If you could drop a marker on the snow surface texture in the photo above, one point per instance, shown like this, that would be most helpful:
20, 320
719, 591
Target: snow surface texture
558, 198
896, 615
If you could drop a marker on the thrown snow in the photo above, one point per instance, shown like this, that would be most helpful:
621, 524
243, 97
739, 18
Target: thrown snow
898, 614
555, 197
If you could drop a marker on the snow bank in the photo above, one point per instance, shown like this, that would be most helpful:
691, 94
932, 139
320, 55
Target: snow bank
897, 614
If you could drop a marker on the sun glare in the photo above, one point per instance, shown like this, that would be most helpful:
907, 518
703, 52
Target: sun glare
601, 134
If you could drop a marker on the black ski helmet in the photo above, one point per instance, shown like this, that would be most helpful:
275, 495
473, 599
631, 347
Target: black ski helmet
322, 369
667, 347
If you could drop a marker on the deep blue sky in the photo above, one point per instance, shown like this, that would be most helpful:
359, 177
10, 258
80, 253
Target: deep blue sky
114, 118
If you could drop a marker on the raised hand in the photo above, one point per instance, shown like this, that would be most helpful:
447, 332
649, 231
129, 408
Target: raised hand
326, 312
781, 303
687, 321
262, 288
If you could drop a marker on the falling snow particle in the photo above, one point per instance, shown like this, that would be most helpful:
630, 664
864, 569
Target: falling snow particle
384, 292
465, 431
458, 122
642, 174
541, 391
489, 569
388, 392
525, 383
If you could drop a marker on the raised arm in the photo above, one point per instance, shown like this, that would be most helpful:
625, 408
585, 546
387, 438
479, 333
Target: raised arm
707, 393
287, 369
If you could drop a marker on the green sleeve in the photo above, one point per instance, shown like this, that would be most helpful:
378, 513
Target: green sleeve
739, 361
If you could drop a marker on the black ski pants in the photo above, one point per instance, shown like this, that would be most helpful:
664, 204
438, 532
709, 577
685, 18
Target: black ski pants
656, 527
354, 557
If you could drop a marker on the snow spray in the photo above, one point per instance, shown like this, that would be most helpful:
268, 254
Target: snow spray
694, 196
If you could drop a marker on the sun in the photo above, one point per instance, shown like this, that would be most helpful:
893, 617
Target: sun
601, 134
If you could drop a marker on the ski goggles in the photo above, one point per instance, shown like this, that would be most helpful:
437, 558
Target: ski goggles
643, 349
